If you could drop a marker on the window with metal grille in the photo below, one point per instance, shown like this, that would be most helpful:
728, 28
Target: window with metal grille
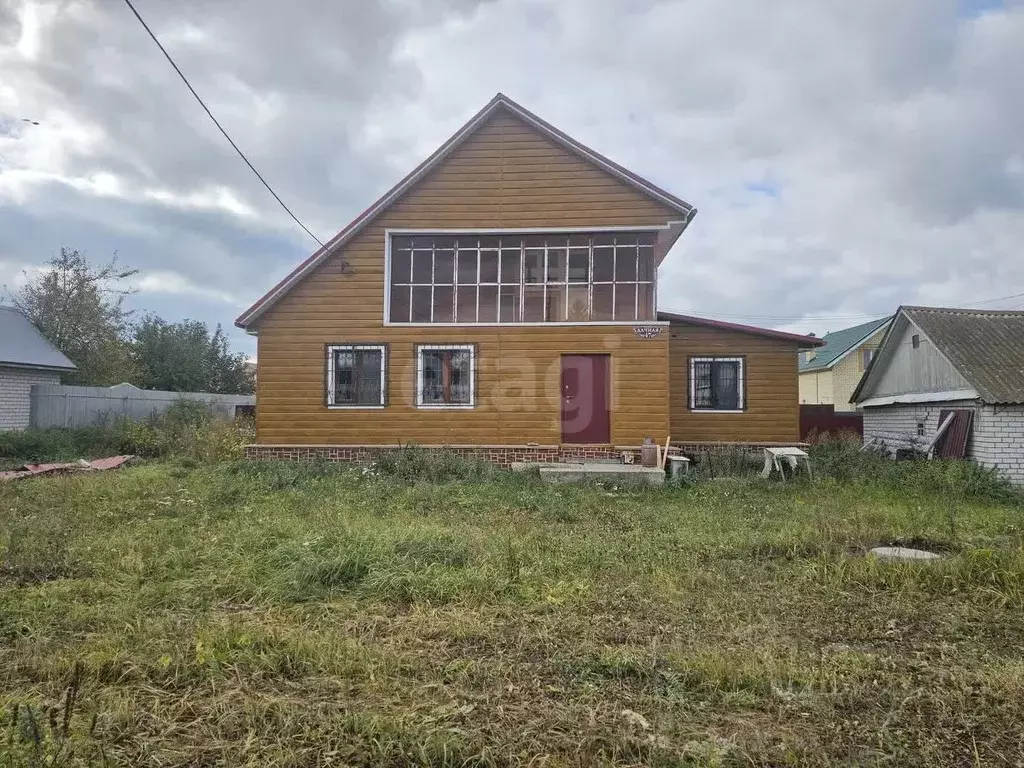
356, 375
716, 384
534, 278
446, 376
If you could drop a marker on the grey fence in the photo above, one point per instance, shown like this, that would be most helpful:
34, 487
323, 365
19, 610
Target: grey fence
57, 405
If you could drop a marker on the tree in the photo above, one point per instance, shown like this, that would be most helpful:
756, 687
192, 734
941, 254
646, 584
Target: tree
186, 357
80, 309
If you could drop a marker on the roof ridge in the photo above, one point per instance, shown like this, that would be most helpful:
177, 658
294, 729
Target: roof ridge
962, 310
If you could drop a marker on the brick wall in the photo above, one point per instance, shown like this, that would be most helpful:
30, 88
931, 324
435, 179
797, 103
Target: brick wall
998, 439
15, 391
897, 424
846, 374
502, 455
816, 388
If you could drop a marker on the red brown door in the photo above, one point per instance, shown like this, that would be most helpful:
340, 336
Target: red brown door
586, 417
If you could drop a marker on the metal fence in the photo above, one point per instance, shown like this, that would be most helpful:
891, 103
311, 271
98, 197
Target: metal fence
825, 419
57, 405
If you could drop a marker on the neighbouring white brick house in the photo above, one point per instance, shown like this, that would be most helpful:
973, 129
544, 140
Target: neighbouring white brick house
934, 362
26, 358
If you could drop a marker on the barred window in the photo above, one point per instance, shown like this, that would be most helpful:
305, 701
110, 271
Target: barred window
446, 376
469, 278
716, 384
356, 375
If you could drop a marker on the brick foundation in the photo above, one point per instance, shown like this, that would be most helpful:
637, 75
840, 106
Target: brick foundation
502, 455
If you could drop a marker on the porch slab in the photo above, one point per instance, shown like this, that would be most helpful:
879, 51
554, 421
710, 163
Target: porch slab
619, 474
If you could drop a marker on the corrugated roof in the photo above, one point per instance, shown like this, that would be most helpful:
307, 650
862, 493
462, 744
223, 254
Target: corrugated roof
985, 346
24, 346
838, 343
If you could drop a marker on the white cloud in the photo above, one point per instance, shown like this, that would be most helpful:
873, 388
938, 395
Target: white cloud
172, 283
845, 157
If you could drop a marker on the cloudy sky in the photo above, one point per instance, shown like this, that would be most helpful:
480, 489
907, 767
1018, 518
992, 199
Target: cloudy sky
846, 157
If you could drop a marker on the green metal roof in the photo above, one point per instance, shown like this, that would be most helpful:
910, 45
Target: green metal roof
839, 343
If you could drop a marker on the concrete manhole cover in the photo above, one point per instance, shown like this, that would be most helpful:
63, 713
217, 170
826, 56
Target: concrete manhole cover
903, 553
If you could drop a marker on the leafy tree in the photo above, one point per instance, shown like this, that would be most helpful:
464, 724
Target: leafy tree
186, 357
79, 307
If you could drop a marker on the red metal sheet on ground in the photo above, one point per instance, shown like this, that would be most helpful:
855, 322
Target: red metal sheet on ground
29, 470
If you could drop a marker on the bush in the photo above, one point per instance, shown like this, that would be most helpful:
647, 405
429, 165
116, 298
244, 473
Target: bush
187, 429
843, 460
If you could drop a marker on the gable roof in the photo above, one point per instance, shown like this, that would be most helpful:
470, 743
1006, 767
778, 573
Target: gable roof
500, 101
985, 346
23, 346
838, 343
803, 341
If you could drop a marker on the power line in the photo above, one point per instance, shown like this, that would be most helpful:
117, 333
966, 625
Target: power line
865, 316
219, 126
990, 301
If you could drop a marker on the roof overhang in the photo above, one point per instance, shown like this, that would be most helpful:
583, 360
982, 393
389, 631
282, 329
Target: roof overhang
804, 342
685, 210
30, 367
915, 398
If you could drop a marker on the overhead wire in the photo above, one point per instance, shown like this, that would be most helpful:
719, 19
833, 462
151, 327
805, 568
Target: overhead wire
217, 123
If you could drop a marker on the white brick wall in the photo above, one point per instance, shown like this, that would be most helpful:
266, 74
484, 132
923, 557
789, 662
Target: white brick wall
15, 389
997, 438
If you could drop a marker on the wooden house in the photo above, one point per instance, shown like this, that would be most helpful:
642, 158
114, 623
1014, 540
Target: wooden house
501, 300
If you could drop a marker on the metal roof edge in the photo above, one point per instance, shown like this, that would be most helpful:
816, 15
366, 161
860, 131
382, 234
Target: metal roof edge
913, 398
810, 341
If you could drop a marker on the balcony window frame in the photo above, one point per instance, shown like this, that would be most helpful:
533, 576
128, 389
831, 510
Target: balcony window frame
523, 288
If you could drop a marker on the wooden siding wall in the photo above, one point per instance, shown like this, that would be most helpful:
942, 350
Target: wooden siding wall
906, 369
504, 176
772, 389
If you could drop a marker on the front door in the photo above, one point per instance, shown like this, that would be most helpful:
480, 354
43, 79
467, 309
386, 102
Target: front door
586, 418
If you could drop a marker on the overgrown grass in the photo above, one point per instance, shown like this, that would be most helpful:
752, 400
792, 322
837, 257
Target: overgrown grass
186, 430
287, 614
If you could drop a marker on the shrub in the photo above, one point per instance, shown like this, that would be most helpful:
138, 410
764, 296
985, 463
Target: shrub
186, 429
843, 460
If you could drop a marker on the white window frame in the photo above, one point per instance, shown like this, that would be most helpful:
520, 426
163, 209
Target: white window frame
742, 382
389, 234
382, 401
420, 349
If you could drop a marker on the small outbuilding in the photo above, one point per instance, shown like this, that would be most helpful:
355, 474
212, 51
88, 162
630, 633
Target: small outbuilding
960, 371
26, 358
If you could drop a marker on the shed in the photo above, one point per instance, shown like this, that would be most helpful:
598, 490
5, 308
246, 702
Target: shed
933, 361
26, 358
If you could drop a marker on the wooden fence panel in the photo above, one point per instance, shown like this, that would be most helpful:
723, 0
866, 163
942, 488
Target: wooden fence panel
58, 405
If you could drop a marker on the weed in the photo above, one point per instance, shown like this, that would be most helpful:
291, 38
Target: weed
412, 463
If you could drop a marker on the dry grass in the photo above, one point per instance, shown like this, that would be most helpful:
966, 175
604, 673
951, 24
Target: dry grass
289, 615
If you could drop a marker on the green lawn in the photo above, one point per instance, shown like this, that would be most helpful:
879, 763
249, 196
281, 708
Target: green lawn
267, 614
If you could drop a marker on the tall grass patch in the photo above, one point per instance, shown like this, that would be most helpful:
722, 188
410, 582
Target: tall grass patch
288, 613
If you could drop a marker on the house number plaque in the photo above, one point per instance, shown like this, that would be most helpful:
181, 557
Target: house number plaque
647, 331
